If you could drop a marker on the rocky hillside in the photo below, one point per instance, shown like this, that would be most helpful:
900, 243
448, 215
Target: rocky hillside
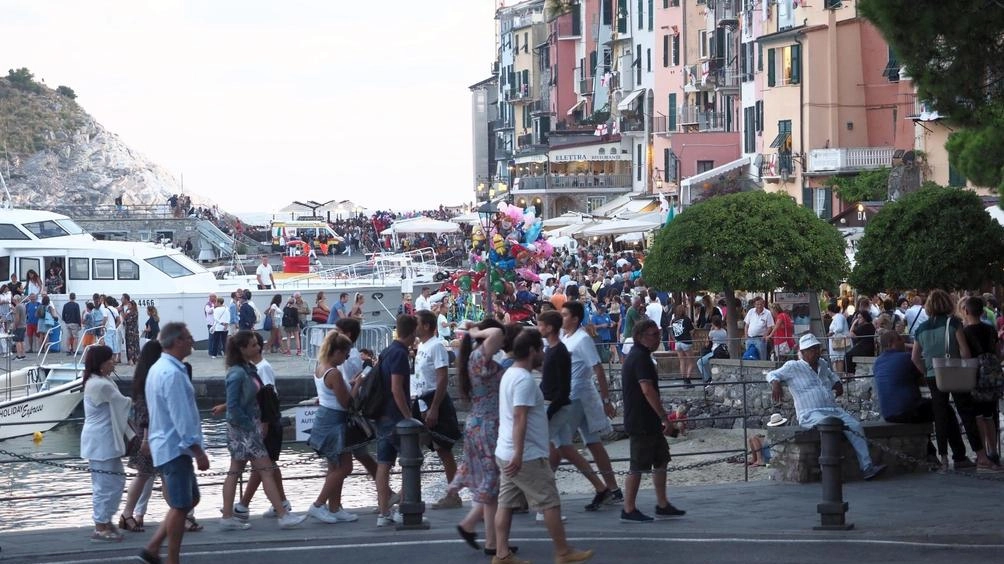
54, 155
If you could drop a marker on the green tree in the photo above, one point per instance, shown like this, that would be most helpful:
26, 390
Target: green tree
869, 185
23, 79
933, 238
746, 241
66, 91
953, 51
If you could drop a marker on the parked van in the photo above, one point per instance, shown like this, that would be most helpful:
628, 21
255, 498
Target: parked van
317, 233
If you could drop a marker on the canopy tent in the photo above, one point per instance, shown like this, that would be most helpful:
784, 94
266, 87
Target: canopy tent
569, 230
639, 224
469, 217
567, 218
630, 238
340, 209
421, 224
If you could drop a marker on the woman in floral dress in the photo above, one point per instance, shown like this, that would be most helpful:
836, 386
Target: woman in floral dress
479, 376
130, 319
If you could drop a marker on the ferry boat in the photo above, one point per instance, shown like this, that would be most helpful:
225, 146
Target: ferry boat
37, 398
35, 240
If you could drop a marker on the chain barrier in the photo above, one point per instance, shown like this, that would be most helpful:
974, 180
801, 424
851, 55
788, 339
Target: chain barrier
934, 467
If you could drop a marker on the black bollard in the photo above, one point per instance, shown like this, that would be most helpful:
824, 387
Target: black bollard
833, 510
411, 507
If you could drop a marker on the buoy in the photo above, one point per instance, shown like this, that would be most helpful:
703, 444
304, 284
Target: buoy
36, 437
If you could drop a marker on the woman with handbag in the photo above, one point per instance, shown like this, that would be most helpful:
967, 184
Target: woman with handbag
982, 340
321, 309
782, 335
246, 433
103, 440
327, 437
941, 335
141, 461
839, 337
862, 339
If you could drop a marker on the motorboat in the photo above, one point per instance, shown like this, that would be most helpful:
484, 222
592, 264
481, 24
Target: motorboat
37, 398
177, 286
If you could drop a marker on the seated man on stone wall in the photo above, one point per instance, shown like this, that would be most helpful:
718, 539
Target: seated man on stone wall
897, 382
814, 388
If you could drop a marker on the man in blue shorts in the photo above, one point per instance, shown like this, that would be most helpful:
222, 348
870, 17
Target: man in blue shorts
175, 438
396, 373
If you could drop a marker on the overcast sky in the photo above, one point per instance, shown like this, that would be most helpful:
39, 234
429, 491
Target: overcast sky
261, 102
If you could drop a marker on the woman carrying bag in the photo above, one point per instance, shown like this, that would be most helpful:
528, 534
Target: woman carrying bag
930, 343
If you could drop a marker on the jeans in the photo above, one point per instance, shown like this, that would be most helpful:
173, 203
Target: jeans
946, 424
922, 413
704, 366
855, 433
107, 488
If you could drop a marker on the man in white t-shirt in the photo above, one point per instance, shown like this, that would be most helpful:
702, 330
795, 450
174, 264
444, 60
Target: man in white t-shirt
654, 308
443, 330
264, 274
434, 405
521, 453
758, 323
590, 408
422, 301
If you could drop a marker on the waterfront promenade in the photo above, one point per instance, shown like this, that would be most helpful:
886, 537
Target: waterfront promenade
918, 518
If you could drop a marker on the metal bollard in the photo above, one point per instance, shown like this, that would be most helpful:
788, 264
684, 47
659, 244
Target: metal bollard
411, 507
832, 511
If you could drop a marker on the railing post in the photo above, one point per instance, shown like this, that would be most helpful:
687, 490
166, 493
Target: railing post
411, 507
833, 509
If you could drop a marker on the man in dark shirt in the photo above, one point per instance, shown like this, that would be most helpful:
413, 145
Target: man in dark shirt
71, 317
395, 370
897, 382
646, 423
556, 385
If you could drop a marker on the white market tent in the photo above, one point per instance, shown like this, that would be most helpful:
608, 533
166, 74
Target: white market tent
630, 237
421, 224
567, 218
469, 217
640, 224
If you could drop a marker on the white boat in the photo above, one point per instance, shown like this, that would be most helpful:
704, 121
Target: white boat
178, 286
37, 398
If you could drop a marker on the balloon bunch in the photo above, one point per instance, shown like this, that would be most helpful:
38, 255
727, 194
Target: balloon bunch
506, 260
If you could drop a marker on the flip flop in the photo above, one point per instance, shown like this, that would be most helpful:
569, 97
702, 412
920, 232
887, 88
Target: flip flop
470, 538
193, 525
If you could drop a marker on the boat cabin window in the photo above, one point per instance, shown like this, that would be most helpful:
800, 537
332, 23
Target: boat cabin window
80, 268
70, 226
45, 229
4, 268
128, 270
111, 235
26, 264
169, 266
104, 269
10, 231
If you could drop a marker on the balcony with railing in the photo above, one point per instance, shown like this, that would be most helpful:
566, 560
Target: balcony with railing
661, 125
566, 181
694, 79
726, 12
728, 78
849, 159
692, 117
586, 86
632, 124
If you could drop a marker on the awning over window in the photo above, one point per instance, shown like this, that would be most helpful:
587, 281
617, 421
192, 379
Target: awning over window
578, 105
781, 140
625, 104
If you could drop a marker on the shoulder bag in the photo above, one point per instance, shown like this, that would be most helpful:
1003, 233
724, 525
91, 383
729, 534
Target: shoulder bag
954, 374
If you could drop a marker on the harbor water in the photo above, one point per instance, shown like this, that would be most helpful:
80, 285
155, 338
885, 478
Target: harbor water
37, 496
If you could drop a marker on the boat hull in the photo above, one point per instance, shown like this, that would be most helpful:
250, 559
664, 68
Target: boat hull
40, 411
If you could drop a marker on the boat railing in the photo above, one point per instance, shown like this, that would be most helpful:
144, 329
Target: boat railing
379, 268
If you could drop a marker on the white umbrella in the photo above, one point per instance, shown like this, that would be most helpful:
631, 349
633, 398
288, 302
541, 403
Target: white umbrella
421, 224
470, 217
640, 224
630, 237
567, 218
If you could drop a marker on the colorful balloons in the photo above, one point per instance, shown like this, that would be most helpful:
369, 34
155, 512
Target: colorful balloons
498, 286
464, 282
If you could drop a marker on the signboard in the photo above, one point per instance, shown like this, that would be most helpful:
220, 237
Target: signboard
304, 421
589, 153
797, 304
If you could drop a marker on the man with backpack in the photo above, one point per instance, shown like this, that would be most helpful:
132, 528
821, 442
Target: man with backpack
394, 371
246, 313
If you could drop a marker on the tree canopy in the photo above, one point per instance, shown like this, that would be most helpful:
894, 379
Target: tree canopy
933, 238
953, 51
749, 240
869, 185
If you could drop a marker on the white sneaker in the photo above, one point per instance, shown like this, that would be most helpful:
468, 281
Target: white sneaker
241, 511
321, 514
343, 516
540, 518
386, 520
291, 520
270, 512
232, 524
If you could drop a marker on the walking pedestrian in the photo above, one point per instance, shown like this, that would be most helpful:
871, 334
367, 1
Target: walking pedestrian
175, 438
103, 440
141, 487
396, 374
522, 454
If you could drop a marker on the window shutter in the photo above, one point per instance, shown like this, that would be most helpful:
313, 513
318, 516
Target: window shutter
796, 64
641, 16
807, 198
672, 112
666, 158
592, 64
673, 169
771, 73
742, 61
576, 19
665, 50
676, 50
759, 56
651, 15
759, 116
827, 211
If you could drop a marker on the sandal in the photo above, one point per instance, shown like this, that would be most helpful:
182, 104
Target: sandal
107, 535
130, 524
193, 525
149, 557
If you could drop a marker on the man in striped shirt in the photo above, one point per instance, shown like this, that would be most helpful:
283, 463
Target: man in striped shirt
814, 387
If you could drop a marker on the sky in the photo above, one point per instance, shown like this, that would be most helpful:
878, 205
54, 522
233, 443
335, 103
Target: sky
257, 103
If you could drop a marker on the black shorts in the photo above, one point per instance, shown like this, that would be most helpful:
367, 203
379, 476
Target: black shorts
649, 451
273, 441
447, 429
19, 335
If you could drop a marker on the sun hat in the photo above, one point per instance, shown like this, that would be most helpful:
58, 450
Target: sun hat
808, 341
776, 420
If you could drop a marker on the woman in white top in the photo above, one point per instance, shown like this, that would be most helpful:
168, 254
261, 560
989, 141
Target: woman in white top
274, 312
103, 439
112, 322
840, 332
327, 437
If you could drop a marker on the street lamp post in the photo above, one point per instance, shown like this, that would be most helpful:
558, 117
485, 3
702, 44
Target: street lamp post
485, 214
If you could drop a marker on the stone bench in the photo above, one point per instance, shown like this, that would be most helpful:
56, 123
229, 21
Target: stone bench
797, 460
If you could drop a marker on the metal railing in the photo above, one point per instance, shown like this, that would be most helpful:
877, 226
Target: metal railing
705, 120
850, 159
378, 269
574, 181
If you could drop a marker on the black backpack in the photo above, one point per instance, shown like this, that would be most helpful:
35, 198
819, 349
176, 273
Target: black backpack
372, 394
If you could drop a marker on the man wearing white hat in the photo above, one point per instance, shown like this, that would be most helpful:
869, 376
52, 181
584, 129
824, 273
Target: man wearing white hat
814, 387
